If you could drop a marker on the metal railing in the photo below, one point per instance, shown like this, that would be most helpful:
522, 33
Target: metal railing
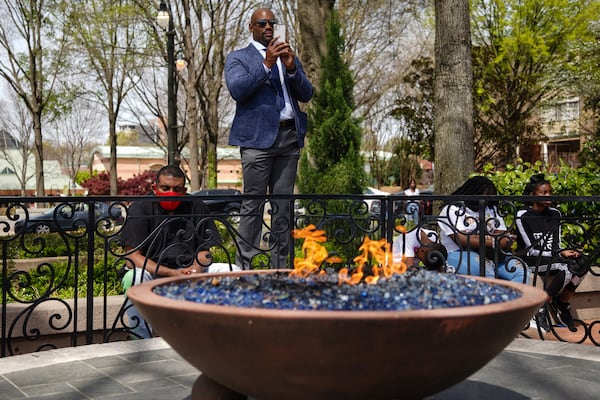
60, 269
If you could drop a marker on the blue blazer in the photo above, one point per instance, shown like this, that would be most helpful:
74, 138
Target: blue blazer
256, 121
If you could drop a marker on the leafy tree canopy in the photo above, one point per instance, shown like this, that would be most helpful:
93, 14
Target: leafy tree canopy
520, 58
415, 110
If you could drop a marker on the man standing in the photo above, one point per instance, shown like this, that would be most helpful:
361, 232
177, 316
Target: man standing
266, 80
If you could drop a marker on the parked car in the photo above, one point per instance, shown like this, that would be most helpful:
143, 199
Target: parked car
374, 204
222, 203
425, 206
68, 217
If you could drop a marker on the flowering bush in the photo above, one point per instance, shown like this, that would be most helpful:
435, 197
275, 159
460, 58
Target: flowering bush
99, 184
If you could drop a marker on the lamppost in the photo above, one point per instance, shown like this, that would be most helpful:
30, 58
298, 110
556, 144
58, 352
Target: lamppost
165, 21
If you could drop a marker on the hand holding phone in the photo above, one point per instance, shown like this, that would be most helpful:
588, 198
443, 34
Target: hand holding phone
279, 32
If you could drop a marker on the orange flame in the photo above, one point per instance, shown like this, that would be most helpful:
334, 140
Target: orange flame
377, 253
401, 229
315, 253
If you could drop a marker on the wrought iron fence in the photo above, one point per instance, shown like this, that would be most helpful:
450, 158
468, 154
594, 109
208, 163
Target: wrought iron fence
62, 268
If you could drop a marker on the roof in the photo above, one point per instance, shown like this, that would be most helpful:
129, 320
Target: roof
150, 152
153, 152
54, 178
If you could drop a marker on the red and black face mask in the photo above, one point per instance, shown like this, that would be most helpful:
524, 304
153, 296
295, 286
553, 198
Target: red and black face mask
169, 205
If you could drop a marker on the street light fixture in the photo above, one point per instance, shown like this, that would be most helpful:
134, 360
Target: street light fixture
180, 63
164, 19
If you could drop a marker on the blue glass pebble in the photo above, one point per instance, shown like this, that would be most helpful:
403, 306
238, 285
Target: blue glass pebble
410, 291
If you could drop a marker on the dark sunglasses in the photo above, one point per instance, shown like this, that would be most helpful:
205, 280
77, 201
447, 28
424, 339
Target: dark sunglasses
263, 22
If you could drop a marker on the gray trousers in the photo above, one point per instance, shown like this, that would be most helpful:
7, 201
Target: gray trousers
272, 171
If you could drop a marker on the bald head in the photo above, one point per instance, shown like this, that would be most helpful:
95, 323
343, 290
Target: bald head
262, 34
261, 13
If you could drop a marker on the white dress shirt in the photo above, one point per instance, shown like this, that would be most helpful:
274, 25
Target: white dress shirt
288, 111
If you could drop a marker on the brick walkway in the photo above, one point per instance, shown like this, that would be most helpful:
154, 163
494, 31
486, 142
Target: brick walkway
151, 370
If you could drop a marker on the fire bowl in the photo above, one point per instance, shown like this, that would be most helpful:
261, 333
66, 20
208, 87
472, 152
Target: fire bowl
272, 354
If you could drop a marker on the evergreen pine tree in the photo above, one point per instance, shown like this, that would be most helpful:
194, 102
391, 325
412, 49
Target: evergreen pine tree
331, 162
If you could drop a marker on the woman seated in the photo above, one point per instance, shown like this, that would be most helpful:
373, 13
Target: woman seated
539, 239
460, 224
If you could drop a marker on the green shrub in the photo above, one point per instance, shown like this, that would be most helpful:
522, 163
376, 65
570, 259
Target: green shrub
39, 245
60, 280
565, 181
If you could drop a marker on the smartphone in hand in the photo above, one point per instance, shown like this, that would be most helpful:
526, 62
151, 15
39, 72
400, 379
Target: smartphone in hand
279, 32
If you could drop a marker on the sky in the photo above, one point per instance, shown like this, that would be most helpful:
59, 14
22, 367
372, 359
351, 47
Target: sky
4, 91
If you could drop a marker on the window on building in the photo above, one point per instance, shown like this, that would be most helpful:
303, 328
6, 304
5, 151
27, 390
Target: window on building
566, 110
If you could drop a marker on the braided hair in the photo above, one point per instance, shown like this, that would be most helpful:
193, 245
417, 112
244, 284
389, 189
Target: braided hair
477, 185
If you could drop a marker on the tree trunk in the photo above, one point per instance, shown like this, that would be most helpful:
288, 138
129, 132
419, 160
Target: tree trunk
212, 131
312, 16
112, 140
453, 115
38, 154
192, 128
112, 137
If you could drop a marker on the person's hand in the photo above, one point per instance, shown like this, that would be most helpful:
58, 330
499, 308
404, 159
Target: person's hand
570, 253
287, 59
189, 270
506, 240
282, 50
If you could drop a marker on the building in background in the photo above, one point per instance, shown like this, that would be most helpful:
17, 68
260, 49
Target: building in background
56, 182
566, 126
133, 160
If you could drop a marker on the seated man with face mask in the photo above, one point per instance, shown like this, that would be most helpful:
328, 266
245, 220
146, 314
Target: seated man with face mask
166, 238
